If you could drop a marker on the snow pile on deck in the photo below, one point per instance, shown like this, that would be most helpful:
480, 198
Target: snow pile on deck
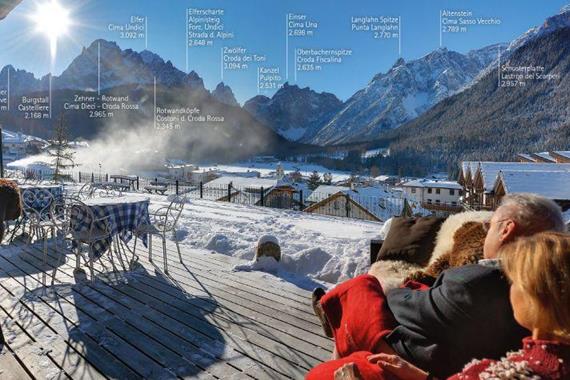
313, 247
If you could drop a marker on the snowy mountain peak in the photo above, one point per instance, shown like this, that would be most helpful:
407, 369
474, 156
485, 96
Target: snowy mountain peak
551, 24
151, 58
407, 90
293, 112
225, 94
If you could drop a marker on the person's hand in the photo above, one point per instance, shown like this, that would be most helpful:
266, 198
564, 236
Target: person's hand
398, 367
347, 372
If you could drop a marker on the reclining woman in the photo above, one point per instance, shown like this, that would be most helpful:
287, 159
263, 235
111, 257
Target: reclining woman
538, 268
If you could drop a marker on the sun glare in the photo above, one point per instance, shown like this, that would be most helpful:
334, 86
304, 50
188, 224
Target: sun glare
52, 20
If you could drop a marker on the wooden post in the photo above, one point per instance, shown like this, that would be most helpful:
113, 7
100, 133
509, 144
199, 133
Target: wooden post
107, 177
229, 192
92, 177
79, 177
201, 190
176, 187
138, 182
301, 199
262, 196
347, 206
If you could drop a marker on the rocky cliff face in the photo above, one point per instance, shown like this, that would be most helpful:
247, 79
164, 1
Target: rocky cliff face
293, 112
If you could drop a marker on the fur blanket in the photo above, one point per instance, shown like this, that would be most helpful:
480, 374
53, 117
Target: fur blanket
10, 203
459, 242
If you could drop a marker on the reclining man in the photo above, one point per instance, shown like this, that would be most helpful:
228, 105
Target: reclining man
466, 313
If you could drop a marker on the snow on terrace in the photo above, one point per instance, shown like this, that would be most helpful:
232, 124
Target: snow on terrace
315, 248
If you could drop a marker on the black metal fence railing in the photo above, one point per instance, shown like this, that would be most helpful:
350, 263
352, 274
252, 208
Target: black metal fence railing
341, 204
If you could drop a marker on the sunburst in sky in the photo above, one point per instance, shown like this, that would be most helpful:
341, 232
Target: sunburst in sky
53, 21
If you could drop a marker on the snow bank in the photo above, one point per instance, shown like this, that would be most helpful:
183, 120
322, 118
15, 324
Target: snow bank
314, 248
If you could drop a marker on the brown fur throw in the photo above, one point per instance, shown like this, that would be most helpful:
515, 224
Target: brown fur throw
10, 203
467, 248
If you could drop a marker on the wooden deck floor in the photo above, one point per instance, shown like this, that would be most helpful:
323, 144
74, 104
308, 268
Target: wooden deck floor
200, 321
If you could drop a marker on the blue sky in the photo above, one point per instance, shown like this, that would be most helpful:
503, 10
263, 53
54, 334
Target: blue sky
259, 26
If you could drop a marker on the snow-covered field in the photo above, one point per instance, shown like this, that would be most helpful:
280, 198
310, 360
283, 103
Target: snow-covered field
314, 248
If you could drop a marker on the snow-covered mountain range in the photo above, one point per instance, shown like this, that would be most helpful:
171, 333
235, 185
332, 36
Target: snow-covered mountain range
406, 91
104, 65
499, 116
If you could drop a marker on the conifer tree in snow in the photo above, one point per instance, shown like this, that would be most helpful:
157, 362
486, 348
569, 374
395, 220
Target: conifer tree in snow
327, 178
60, 151
314, 180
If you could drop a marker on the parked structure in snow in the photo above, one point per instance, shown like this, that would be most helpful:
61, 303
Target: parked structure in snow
435, 195
182, 171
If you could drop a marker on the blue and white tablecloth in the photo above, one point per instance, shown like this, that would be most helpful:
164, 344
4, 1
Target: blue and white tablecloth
40, 197
126, 214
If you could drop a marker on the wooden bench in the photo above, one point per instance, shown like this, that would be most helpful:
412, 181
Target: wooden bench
112, 186
156, 188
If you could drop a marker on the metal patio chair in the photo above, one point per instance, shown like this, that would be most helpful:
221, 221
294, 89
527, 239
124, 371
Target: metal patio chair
163, 221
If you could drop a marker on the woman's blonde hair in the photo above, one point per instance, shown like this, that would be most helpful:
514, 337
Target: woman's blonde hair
540, 266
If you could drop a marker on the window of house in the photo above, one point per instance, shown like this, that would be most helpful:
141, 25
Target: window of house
437, 201
452, 192
413, 190
454, 203
429, 190
460, 192
429, 201
437, 191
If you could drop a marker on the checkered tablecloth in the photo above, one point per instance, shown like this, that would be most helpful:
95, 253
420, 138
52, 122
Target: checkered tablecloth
126, 214
39, 197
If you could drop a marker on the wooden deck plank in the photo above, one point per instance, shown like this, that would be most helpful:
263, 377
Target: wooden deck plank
298, 315
317, 347
266, 351
239, 307
203, 319
286, 294
106, 337
11, 368
128, 329
142, 309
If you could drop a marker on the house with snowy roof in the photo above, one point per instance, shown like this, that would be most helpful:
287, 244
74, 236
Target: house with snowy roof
554, 185
365, 202
16, 145
561, 156
478, 179
557, 156
436, 195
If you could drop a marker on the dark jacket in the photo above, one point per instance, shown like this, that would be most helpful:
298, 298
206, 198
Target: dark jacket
466, 314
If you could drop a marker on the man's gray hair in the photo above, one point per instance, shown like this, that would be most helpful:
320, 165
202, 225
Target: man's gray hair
533, 213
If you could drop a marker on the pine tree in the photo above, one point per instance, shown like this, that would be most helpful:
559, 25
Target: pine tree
314, 180
59, 149
327, 178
